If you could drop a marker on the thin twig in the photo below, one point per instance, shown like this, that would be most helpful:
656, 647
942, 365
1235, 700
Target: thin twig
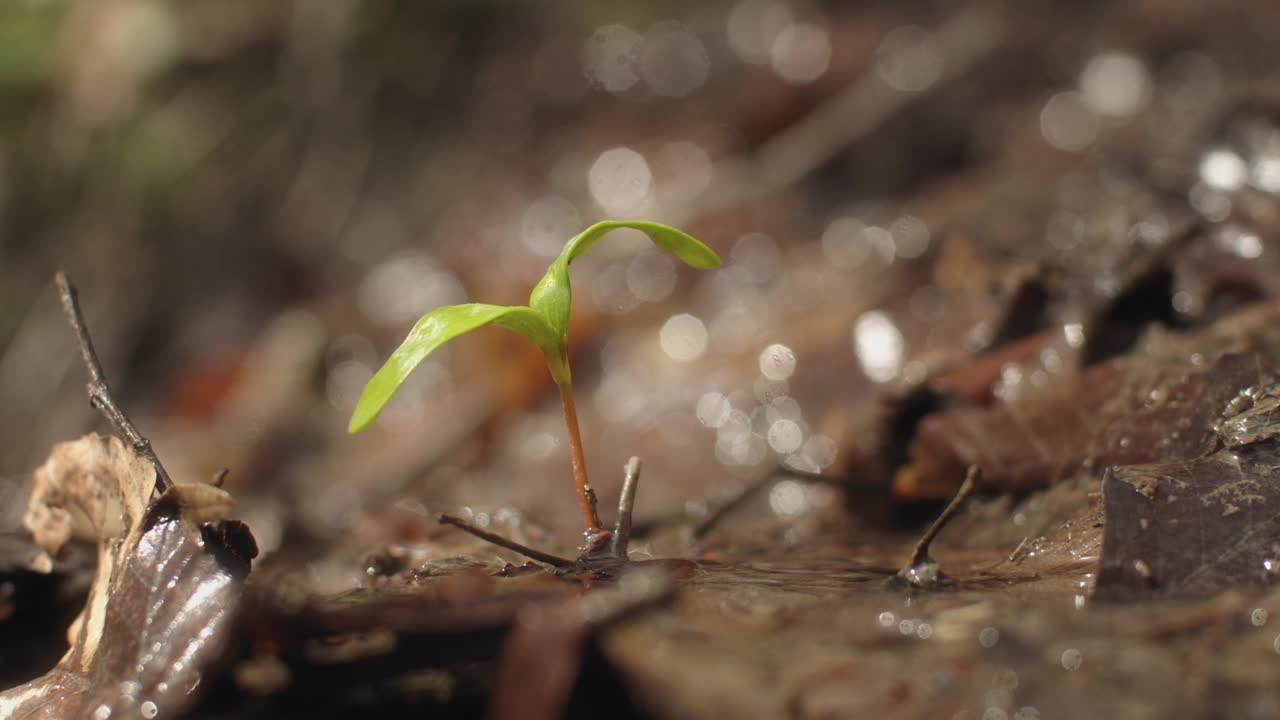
701, 529
626, 505
99, 392
512, 545
921, 553
737, 501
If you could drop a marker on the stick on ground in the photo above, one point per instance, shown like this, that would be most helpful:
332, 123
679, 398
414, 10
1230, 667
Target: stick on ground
921, 553
99, 392
512, 545
626, 505
750, 491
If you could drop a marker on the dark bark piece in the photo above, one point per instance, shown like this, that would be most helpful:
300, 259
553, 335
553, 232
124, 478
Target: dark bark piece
1191, 529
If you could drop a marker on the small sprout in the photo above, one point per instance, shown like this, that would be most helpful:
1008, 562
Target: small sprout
545, 321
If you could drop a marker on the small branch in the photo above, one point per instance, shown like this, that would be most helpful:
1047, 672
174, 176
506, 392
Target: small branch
99, 392
720, 513
921, 553
512, 545
626, 505
737, 501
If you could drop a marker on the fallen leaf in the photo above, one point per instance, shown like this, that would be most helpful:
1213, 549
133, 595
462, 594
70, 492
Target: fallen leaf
169, 580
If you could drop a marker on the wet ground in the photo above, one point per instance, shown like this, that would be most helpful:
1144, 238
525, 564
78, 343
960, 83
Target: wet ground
1037, 238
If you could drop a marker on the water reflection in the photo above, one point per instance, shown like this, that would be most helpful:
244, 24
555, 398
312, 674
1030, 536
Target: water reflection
801, 53
1115, 84
683, 338
909, 59
620, 181
879, 345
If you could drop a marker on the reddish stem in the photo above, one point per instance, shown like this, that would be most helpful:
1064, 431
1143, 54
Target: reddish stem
579, 459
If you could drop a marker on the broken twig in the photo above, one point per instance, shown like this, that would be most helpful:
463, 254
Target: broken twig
737, 501
626, 505
920, 556
512, 545
99, 392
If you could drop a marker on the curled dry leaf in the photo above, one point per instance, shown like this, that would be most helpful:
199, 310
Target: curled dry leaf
77, 495
169, 579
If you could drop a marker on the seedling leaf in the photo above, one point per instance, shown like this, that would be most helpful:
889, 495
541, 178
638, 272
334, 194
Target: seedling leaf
553, 295
435, 329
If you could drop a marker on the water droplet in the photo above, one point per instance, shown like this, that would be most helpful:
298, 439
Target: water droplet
651, 276
908, 59
777, 362
1115, 84
1238, 241
103, 712
149, 709
923, 574
608, 58
1258, 617
685, 169
1067, 123
788, 499
988, 637
1074, 334
821, 450
400, 289
1072, 659
1223, 169
683, 338
879, 345
620, 181
673, 61
547, 224
1266, 174
910, 237
713, 409
756, 256
801, 53
845, 244
886, 619
1006, 679
538, 446
785, 436
754, 25
924, 631
1213, 204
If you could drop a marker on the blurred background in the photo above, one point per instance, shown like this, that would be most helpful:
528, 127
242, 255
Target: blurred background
258, 199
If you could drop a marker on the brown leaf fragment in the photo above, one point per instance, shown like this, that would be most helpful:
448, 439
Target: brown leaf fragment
169, 580
1160, 403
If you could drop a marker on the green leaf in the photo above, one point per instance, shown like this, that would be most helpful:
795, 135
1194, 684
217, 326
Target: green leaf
435, 329
553, 295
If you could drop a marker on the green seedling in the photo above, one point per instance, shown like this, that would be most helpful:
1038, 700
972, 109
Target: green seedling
545, 321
